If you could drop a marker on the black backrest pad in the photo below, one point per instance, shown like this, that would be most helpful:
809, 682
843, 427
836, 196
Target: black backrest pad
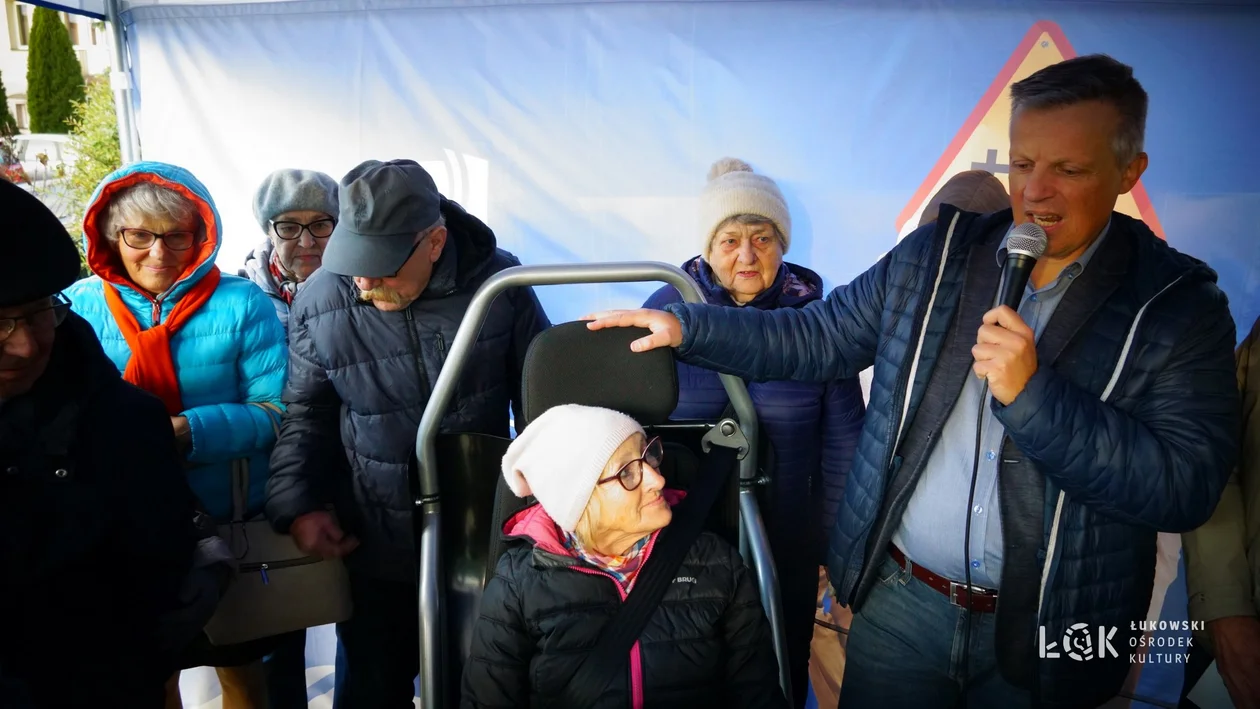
570, 364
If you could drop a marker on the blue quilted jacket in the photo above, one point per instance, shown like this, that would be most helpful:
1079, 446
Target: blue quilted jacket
813, 427
1133, 429
229, 355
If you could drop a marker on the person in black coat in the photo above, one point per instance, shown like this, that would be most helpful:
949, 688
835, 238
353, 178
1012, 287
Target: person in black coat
575, 557
96, 519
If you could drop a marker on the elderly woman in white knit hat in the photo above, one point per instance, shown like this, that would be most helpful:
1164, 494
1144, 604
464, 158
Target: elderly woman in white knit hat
812, 428
576, 554
297, 211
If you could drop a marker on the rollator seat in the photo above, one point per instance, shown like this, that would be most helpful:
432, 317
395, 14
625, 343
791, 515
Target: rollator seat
566, 364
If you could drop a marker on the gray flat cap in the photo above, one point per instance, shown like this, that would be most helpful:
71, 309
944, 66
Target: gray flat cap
383, 207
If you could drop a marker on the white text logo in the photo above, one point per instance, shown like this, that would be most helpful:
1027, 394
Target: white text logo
1078, 643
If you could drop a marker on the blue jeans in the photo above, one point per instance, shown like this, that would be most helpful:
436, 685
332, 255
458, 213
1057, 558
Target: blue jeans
905, 651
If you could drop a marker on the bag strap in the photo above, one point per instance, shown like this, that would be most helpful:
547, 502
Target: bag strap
240, 466
240, 489
609, 657
274, 414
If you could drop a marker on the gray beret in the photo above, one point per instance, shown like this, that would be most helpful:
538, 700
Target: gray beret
291, 190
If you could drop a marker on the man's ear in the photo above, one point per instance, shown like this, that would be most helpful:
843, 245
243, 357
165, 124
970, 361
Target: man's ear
1129, 178
437, 242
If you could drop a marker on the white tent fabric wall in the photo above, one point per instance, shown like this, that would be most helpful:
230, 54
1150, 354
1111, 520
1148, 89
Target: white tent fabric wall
311, 85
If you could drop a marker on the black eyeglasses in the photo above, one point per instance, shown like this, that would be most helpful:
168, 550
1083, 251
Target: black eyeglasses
630, 475
143, 239
319, 229
46, 318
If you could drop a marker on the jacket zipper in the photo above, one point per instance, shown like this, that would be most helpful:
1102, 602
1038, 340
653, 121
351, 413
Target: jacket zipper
1052, 546
264, 567
415, 351
922, 319
636, 658
902, 391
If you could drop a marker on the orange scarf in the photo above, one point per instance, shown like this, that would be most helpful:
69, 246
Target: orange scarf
151, 367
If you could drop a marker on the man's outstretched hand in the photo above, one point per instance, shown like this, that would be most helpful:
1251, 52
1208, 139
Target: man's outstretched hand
318, 533
666, 329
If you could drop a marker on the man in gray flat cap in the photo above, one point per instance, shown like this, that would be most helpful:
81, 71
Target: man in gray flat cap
367, 339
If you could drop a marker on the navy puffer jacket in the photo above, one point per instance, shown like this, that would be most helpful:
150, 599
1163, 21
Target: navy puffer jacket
813, 427
1154, 456
359, 380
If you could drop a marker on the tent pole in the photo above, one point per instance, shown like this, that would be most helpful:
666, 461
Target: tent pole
120, 81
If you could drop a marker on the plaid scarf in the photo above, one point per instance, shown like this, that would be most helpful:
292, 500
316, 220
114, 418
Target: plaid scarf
622, 568
286, 281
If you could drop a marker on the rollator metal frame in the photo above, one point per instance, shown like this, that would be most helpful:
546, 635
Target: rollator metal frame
754, 546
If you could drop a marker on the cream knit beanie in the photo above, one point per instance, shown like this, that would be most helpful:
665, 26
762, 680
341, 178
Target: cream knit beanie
734, 189
560, 456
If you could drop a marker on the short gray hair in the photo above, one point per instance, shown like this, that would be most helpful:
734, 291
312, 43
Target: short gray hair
750, 220
143, 199
1095, 77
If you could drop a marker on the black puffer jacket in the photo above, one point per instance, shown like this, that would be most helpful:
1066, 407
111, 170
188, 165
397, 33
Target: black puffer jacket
96, 535
707, 645
359, 380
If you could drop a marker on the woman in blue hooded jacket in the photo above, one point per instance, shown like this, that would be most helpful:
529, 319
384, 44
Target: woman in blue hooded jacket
812, 428
209, 345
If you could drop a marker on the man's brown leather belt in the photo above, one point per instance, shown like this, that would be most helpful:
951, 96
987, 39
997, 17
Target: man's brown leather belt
982, 599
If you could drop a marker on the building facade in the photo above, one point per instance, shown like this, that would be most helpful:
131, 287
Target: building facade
89, 37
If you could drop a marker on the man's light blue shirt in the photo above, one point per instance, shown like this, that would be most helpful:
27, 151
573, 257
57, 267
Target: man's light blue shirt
932, 532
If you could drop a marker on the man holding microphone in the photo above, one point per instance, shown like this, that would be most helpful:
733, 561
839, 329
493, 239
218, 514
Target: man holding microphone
1113, 416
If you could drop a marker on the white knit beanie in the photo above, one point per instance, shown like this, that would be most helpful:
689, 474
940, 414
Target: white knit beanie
561, 454
734, 189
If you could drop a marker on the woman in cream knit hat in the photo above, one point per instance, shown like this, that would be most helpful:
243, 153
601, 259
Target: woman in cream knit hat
576, 555
812, 428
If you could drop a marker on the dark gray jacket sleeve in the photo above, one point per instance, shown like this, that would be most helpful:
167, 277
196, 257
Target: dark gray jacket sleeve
308, 452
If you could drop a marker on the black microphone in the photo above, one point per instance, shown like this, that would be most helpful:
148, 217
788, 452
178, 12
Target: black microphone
1026, 244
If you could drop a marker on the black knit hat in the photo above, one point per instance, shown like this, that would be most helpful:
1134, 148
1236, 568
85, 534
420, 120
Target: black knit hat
39, 257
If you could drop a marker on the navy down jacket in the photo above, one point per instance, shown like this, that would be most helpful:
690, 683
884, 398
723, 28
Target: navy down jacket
359, 380
1134, 428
